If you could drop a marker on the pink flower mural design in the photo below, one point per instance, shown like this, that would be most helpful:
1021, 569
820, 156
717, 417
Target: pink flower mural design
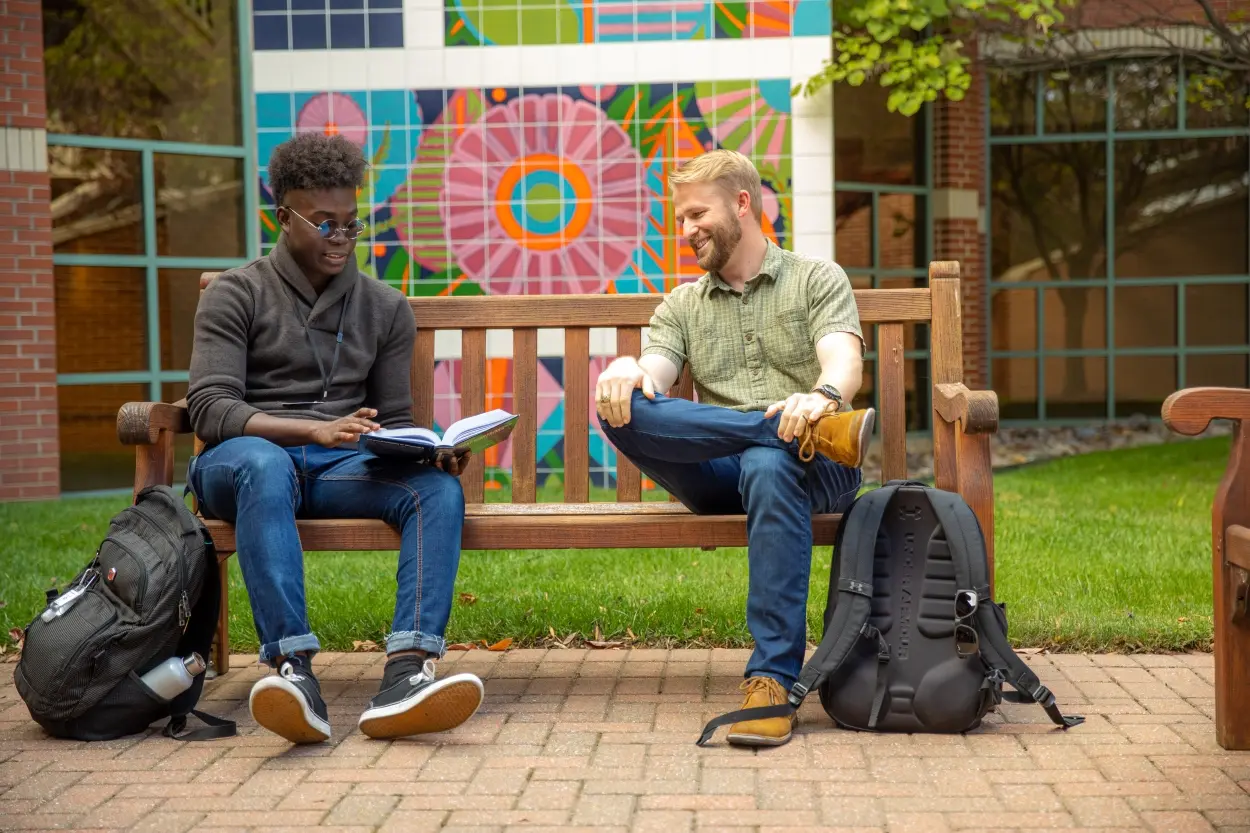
334, 113
544, 195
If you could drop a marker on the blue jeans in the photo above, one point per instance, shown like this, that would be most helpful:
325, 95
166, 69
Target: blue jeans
261, 488
718, 461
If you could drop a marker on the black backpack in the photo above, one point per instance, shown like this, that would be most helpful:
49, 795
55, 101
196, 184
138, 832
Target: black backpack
913, 642
152, 592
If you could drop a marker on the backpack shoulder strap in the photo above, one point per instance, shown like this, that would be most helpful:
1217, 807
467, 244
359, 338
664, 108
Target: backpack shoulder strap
857, 545
964, 537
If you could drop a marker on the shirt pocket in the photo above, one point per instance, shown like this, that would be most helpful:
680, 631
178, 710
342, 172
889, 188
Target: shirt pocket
789, 340
713, 357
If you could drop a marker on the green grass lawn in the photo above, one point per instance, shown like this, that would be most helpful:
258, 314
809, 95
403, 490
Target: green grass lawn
1108, 551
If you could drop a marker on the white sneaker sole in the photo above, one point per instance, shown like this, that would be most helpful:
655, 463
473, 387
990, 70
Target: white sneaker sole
444, 705
278, 706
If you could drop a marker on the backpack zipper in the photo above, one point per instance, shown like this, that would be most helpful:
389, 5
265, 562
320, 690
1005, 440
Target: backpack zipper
143, 575
184, 602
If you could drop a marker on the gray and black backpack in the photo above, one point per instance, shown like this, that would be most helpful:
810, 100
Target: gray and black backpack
150, 593
913, 641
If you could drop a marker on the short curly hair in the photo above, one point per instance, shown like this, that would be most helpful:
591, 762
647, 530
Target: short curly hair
314, 162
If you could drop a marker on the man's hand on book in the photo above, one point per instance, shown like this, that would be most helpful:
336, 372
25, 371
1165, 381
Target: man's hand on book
345, 429
454, 465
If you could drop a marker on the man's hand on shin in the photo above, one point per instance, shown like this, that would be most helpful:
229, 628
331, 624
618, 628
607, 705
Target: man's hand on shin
798, 411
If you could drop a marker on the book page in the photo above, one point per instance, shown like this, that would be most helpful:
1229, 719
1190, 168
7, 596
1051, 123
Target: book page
471, 426
422, 435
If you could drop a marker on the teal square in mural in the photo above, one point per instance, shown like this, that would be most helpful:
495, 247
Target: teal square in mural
273, 111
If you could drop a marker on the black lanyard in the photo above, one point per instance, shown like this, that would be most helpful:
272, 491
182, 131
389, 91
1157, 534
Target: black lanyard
338, 342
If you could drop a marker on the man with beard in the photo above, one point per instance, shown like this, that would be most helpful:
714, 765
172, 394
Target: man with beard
296, 355
775, 349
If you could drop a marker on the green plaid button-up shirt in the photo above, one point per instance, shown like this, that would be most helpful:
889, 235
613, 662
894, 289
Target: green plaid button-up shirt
750, 349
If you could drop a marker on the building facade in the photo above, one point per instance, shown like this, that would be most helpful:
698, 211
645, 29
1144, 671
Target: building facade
506, 143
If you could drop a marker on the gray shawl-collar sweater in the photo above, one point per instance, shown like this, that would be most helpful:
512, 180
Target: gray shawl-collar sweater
252, 352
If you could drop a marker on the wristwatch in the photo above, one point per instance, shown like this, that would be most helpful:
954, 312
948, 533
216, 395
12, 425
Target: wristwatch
829, 392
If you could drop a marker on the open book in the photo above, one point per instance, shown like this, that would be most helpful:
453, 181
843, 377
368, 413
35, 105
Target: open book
474, 433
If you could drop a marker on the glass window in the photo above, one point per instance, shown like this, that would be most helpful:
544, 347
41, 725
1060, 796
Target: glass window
1013, 319
91, 456
1076, 318
101, 319
1145, 96
1015, 382
1076, 387
871, 144
1215, 97
1142, 383
900, 231
1218, 371
1216, 315
1181, 207
179, 291
143, 71
1075, 102
1048, 211
97, 201
1013, 102
199, 206
853, 229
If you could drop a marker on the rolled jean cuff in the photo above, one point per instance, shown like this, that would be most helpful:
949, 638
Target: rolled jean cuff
270, 651
435, 646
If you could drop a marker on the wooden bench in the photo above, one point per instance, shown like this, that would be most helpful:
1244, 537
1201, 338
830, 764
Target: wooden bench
963, 421
1189, 412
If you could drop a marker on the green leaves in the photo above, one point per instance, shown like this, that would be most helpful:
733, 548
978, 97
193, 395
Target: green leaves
907, 46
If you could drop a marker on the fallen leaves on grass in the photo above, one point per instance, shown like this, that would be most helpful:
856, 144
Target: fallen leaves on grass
468, 599
365, 646
18, 637
501, 645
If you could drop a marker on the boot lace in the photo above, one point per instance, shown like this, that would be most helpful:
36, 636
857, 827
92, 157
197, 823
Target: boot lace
768, 685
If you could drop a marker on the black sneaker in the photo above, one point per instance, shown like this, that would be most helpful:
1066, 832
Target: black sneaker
289, 703
411, 702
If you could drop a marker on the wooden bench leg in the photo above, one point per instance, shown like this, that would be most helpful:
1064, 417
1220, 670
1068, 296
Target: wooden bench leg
221, 655
1231, 596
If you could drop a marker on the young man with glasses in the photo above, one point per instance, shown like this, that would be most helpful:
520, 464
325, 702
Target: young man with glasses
296, 355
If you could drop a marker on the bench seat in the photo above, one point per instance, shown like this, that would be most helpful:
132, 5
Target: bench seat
555, 526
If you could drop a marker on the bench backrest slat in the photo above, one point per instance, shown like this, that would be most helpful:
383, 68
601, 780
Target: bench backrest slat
891, 402
525, 404
423, 378
506, 312
576, 414
473, 401
628, 478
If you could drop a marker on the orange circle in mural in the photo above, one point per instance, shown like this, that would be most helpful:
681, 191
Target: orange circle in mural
543, 202
498, 94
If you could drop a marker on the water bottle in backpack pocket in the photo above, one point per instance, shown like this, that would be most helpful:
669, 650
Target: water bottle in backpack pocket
150, 595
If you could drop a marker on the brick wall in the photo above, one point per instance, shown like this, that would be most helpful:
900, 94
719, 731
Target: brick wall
29, 457
959, 200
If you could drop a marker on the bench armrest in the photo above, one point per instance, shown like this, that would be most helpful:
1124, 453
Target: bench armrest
976, 410
141, 423
1191, 410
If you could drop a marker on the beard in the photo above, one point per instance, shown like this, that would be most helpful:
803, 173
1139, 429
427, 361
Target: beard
722, 241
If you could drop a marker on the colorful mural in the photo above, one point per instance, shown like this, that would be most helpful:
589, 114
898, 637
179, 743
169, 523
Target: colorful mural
545, 22
535, 191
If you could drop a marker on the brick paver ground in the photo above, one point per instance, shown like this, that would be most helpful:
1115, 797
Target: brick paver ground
604, 740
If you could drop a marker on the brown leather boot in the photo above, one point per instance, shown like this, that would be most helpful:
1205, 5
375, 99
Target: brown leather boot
842, 436
771, 731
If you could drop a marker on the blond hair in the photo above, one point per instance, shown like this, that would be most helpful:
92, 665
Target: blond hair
728, 169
